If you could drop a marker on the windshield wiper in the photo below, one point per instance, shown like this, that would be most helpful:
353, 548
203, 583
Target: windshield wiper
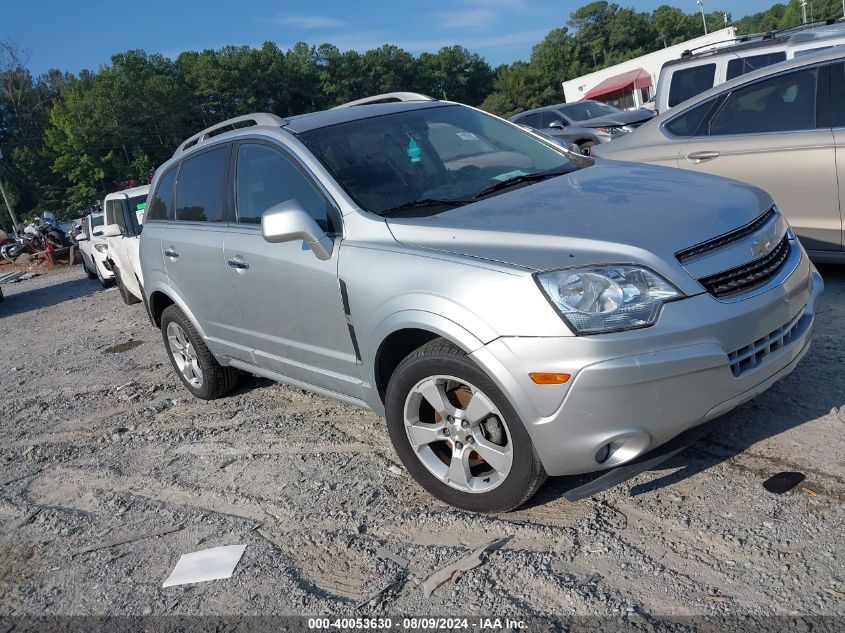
510, 182
424, 203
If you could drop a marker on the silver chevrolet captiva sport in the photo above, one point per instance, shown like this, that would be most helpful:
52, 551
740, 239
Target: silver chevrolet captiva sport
513, 310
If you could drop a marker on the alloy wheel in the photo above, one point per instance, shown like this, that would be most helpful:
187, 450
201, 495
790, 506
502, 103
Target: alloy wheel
458, 434
184, 354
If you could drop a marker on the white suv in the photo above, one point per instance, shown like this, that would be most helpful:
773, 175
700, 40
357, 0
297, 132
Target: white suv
124, 214
94, 250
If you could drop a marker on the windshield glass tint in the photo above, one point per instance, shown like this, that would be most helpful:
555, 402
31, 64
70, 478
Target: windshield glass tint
583, 110
443, 153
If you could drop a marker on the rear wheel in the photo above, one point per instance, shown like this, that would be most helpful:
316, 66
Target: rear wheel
128, 298
195, 365
457, 434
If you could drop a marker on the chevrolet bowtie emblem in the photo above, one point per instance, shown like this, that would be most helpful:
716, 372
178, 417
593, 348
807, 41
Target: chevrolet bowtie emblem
762, 246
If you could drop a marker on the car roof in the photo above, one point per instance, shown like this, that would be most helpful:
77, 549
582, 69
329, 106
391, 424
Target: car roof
325, 118
811, 59
543, 109
129, 193
778, 40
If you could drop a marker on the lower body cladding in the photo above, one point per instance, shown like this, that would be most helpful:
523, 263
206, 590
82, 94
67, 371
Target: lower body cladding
632, 391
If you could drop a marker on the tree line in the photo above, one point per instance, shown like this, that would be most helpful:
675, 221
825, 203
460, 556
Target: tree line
67, 139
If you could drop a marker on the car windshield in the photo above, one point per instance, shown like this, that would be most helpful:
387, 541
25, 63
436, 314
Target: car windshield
137, 204
430, 156
584, 110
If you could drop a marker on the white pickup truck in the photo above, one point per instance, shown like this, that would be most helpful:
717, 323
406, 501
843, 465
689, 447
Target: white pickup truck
124, 214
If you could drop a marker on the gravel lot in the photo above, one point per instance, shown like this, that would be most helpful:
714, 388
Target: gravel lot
100, 442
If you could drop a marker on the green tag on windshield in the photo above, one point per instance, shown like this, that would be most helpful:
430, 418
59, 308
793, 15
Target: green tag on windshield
141, 206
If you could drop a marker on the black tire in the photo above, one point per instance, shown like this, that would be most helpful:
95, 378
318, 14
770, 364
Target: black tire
586, 147
440, 357
105, 283
128, 298
217, 380
91, 275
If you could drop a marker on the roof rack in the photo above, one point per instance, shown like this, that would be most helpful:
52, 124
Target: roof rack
387, 97
258, 118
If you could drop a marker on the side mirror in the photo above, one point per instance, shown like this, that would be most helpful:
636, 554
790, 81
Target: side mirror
289, 222
558, 125
97, 230
81, 236
112, 230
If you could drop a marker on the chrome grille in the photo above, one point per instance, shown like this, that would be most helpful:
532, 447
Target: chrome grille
728, 238
749, 357
748, 276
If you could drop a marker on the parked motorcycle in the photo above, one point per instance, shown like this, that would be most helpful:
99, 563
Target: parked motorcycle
40, 235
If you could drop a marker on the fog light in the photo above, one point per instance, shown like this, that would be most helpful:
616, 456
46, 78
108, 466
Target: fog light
541, 378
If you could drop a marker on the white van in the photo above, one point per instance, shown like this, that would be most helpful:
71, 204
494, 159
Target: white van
694, 73
124, 213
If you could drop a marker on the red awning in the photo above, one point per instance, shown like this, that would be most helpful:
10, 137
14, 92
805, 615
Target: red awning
632, 80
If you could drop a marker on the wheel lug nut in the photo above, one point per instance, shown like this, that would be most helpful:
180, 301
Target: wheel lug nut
458, 446
465, 424
446, 432
449, 418
470, 440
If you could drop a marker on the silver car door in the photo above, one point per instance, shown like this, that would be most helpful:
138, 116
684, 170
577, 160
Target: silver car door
290, 300
193, 252
775, 133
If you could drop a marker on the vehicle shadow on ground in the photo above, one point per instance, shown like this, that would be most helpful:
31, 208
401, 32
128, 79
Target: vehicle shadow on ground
45, 297
793, 401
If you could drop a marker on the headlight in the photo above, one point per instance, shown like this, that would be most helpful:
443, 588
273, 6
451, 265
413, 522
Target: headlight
102, 248
613, 131
600, 299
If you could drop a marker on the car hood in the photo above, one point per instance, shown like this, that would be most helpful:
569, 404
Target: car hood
611, 212
622, 118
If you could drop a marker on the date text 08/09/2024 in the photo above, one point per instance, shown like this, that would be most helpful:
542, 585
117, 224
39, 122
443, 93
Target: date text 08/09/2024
426, 624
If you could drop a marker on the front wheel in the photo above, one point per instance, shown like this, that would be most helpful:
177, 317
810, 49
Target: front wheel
457, 434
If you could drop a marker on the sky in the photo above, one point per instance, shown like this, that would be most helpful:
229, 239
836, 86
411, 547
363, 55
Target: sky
76, 34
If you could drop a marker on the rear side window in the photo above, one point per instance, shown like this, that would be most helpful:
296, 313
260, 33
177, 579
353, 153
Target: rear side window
266, 177
532, 120
199, 189
161, 202
688, 123
114, 214
688, 82
784, 103
739, 66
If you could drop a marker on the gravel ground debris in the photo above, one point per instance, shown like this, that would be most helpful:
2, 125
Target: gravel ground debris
101, 443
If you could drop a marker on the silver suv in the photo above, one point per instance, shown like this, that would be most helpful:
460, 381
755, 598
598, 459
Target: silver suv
512, 309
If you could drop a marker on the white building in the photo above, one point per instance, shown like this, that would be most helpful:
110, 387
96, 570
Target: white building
632, 83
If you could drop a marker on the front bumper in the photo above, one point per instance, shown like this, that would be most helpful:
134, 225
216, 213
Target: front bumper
633, 391
101, 260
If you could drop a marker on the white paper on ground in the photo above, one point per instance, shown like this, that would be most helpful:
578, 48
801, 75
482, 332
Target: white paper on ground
207, 564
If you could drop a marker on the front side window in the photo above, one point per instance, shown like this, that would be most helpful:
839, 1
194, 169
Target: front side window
837, 95
781, 104
741, 65
425, 156
161, 202
137, 205
266, 177
531, 120
200, 186
688, 82
96, 220
114, 214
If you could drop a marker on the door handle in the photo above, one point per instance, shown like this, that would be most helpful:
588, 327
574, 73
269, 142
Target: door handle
171, 253
700, 157
238, 263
